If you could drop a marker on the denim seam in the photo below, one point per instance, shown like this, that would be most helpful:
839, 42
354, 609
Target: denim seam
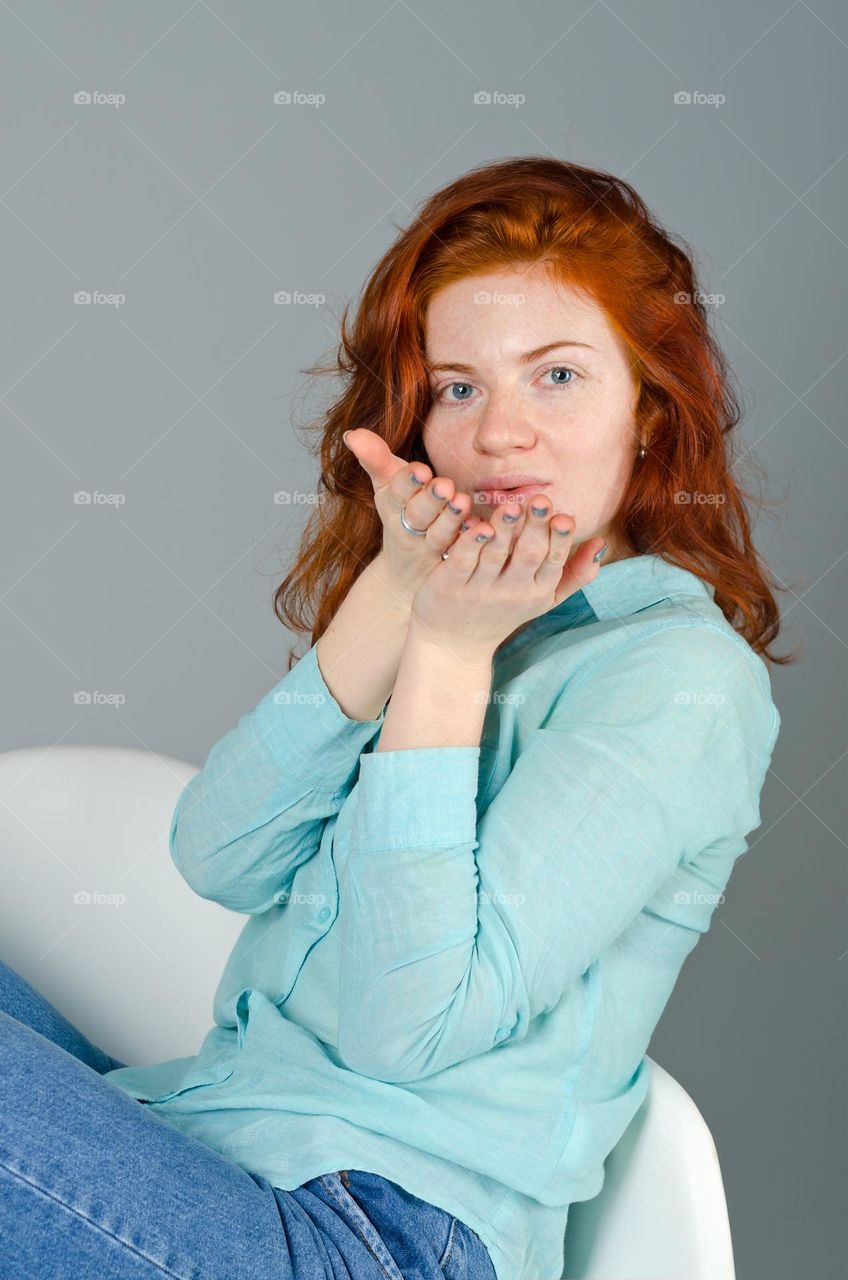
443, 1261
364, 1228
85, 1218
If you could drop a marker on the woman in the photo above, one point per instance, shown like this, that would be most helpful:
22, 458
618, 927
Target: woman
479, 826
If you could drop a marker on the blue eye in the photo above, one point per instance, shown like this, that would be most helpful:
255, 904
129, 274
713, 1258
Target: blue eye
559, 368
452, 385
453, 400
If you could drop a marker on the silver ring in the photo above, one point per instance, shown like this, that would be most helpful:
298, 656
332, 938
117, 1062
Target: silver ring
421, 533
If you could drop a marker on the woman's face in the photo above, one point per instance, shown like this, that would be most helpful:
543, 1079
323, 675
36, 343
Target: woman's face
502, 405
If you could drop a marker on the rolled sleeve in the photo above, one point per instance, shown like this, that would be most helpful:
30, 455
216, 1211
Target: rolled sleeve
306, 728
420, 798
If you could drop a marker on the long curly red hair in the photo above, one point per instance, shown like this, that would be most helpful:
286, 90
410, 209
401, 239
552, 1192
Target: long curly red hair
593, 232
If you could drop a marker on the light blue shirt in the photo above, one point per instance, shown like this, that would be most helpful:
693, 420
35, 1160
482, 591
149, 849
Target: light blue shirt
456, 956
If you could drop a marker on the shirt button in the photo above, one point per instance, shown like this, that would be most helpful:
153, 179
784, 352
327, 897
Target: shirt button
324, 913
502, 1033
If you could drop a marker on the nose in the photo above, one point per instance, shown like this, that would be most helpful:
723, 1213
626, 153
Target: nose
503, 426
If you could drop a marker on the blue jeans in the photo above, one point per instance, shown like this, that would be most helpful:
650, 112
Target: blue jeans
93, 1183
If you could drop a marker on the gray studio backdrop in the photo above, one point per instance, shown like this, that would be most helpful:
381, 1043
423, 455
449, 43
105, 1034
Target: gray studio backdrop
218, 179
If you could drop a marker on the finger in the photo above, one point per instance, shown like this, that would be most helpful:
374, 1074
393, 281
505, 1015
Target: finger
580, 569
377, 459
549, 573
465, 552
532, 540
494, 554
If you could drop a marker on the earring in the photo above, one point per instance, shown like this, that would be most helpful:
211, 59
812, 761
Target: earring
642, 452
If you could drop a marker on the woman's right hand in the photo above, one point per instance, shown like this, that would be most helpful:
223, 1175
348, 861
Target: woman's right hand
406, 558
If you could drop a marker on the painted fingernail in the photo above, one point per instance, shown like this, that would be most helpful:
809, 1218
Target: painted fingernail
539, 511
482, 537
414, 478
511, 519
436, 494
600, 552
455, 510
562, 532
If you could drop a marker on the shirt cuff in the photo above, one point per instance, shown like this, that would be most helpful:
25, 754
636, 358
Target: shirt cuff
422, 797
305, 727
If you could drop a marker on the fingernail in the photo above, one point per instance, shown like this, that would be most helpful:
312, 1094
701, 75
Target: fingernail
563, 532
482, 537
436, 494
465, 525
414, 478
455, 510
601, 551
510, 518
539, 511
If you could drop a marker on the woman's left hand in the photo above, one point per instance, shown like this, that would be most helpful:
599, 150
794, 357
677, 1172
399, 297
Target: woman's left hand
484, 591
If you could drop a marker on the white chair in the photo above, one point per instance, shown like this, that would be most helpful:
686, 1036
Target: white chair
96, 916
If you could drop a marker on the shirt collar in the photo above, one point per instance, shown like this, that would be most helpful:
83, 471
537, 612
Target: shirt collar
620, 588
635, 583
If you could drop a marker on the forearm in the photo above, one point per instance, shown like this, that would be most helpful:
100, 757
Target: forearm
440, 695
359, 653
408, 881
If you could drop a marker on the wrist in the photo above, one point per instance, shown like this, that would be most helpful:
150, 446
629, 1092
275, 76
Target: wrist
453, 649
395, 595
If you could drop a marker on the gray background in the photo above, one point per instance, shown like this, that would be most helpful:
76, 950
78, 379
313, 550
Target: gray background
199, 198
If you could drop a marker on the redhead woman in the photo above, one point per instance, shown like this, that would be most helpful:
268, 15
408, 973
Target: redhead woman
479, 826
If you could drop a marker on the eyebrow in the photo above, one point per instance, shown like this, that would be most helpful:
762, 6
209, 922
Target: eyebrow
535, 354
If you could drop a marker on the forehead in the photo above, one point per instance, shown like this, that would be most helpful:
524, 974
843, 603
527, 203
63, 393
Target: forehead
507, 313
